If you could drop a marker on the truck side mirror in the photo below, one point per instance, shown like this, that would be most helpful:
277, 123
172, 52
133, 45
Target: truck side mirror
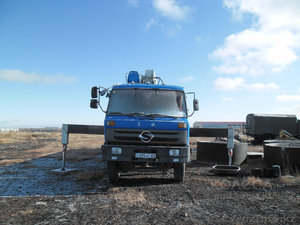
94, 92
94, 104
196, 104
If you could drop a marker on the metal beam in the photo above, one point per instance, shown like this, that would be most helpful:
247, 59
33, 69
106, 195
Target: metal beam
94, 129
208, 132
84, 129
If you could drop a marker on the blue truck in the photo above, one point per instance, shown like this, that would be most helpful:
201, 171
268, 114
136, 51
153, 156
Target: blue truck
146, 125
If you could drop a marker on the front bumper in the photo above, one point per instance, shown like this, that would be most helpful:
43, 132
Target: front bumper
162, 154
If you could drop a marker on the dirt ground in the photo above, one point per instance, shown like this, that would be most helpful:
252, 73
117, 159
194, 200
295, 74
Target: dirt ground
30, 193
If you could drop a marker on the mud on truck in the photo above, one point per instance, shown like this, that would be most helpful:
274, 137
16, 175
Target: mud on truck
146, 125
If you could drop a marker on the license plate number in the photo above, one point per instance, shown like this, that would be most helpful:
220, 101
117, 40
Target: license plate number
145, 155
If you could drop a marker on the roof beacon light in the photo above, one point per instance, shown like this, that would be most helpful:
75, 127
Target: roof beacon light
133, 77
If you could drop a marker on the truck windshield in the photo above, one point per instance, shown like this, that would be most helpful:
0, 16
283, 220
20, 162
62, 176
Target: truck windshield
150, 102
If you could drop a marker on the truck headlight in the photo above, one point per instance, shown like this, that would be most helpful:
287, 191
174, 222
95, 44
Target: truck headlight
116, 150
174, 152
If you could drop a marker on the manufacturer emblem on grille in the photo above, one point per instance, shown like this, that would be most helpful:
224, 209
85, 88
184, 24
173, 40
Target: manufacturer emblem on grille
146, 136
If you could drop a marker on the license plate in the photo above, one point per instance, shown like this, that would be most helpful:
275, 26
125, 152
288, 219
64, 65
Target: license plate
145, 155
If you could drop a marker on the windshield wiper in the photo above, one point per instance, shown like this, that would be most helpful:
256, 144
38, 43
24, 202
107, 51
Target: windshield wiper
149, 115
116, 113
160, 115
134, 114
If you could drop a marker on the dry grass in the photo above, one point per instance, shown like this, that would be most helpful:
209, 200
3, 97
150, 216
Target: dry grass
131, 197
14, 137
21, 146
256, 182
213, 182
290, 179
26, 213
290, 170
84, 141
218, 183
244, 184
17, 147
291, 175
287, 180
201, 179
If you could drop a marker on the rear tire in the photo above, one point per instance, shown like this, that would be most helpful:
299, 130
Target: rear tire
179, 172
113, 171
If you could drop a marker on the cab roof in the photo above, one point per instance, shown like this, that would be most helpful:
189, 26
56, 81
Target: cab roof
147, 86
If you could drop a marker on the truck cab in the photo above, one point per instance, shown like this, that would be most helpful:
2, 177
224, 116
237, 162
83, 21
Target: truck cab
146, 126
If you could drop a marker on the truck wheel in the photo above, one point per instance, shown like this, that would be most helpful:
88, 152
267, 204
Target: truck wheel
179, 171
112, 171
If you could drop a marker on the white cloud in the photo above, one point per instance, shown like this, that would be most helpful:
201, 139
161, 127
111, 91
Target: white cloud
198, 39
150, 24
187, 79
269, 46
171, 9
227, 99
238, 83
171, 30
229, 84
59, 78
259, 86
134, 3
22, 77
19, 76
294, 110
288, 98
174, 11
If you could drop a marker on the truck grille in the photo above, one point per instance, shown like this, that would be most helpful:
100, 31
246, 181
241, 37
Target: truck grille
165, 137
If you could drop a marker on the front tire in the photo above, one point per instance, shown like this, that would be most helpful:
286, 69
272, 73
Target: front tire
179, 172
113, 171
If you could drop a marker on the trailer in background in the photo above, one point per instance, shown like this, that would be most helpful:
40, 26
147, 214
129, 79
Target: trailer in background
267, 126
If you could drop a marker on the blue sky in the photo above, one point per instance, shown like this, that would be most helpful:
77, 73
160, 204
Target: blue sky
238, 56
